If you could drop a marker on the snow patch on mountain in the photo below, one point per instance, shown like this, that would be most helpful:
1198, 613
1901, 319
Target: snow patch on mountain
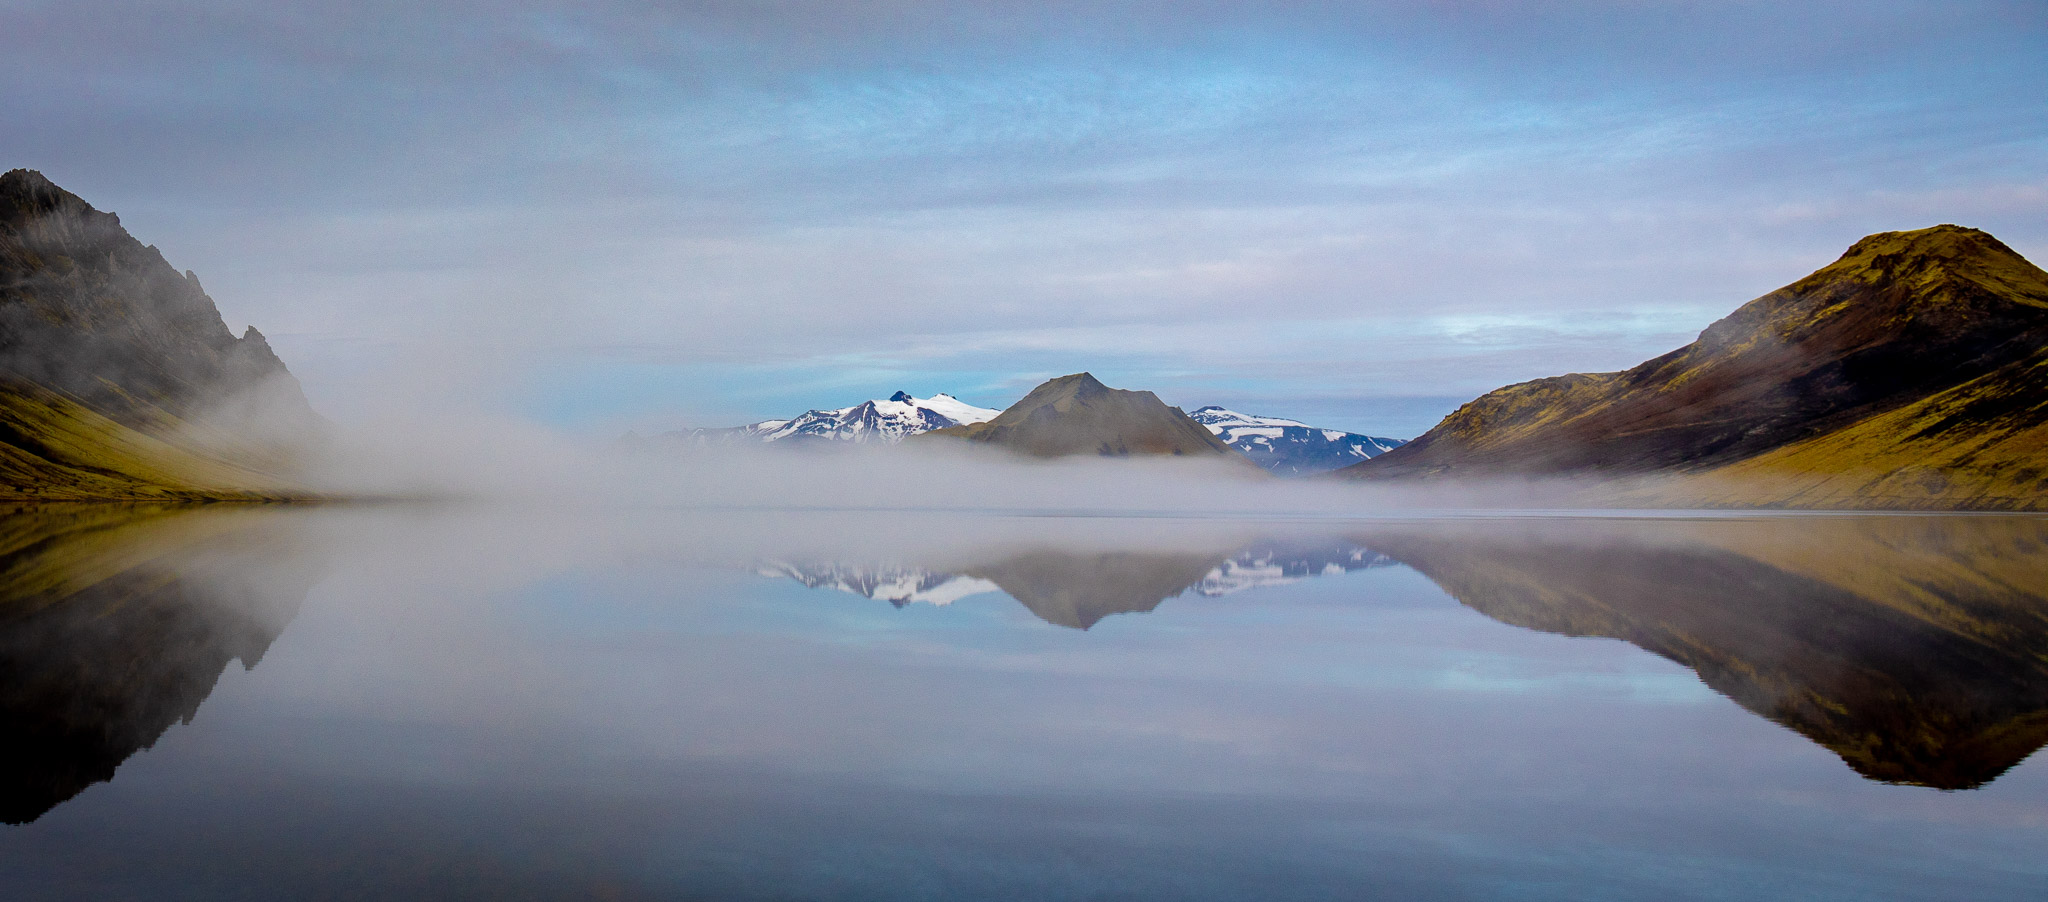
1291, 447
882, 421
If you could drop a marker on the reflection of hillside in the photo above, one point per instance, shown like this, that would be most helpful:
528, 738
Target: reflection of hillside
116, 622
1915, 648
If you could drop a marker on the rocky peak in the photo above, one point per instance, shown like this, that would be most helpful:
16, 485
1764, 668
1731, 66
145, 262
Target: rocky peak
89, 311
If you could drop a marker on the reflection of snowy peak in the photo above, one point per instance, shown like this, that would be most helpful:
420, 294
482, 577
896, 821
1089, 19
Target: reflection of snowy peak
896, 585
1288, 447
1273, 566
1254, 567
886, 421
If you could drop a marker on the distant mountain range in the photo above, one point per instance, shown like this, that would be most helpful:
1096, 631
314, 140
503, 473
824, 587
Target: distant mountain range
1290, 447
1912, 372
118, 378
885, 421
1070, 415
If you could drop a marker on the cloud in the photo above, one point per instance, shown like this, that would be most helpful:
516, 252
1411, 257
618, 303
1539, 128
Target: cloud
969, 192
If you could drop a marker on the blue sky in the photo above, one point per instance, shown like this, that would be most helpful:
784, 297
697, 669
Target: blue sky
607, 216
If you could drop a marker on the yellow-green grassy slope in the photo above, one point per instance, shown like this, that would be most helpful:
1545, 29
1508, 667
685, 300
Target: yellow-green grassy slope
57, 450
1982, 445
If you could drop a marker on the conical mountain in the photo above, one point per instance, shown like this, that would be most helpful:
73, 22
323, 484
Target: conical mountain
1079, 415
118, 377
1940, 335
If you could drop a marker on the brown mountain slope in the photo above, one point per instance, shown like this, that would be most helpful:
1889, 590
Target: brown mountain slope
1942, 327
118, 378
1078, 415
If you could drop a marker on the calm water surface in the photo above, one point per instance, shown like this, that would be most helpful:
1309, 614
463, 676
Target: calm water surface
480, 703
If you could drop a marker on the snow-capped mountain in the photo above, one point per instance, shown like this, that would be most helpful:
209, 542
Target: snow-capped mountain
1290, 447
896, 585
885, 421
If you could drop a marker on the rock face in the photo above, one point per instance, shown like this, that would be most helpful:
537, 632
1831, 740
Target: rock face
108, 355
1288, 447
1078, 415
1910, 372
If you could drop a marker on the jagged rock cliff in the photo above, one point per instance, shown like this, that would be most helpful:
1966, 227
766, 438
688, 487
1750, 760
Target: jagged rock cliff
118, 378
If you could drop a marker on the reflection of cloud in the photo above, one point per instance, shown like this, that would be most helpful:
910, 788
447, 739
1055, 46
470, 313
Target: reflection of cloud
498, 186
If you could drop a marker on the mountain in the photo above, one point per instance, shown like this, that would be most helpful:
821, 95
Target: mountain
118, 378
1912, 372
886, 421
1288, 447
1078, 415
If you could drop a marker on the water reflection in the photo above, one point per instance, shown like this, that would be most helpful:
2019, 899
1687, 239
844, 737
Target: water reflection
1078, 589
1916, 648
115, 623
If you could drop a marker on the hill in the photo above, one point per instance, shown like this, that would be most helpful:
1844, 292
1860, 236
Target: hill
1079, 415
1908, 373
118, 377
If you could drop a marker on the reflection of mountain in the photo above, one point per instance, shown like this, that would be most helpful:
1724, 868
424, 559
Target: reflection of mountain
896, 585
115, 623
1078, 590
1914, 648
1276, 563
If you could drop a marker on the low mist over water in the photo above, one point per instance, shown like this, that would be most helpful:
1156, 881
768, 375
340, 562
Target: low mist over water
512, 700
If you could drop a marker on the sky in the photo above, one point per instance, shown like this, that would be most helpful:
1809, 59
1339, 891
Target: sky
602, 216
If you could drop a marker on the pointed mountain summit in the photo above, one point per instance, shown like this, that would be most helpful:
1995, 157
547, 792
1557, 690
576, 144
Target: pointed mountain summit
117, 375
1079, 415
1912, 371
883, 421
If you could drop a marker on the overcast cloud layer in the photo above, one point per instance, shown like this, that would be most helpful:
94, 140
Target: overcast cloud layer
605, 216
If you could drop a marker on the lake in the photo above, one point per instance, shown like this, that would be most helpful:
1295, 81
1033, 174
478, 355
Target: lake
467, 701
